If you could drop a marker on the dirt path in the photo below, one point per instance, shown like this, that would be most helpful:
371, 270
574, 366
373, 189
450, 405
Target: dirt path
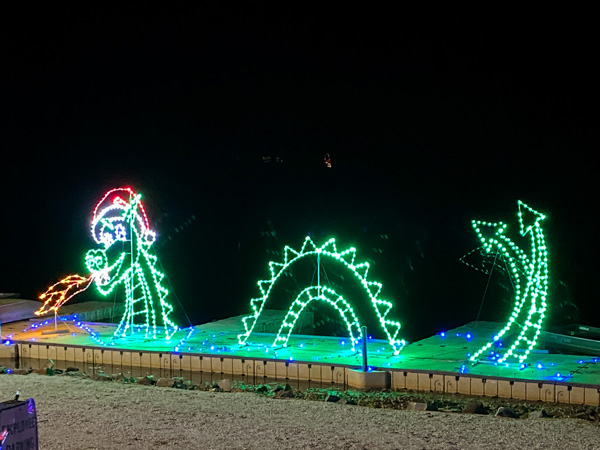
84, 414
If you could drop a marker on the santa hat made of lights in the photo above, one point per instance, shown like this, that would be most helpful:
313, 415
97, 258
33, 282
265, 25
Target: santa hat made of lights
108, 218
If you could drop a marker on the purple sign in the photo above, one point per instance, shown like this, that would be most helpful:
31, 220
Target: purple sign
18, 425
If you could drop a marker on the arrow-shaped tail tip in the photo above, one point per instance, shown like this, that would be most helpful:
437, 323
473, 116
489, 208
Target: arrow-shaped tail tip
488, 232
528, 217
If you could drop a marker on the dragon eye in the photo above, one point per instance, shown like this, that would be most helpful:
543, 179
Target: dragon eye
120, 233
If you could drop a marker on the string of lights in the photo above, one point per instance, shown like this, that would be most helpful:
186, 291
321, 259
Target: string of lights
325, 294
530, 275
54, 297
347, 258
118, 221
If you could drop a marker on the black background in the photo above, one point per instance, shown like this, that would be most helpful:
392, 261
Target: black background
429, 124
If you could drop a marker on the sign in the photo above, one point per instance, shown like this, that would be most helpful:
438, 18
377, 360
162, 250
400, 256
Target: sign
18, 425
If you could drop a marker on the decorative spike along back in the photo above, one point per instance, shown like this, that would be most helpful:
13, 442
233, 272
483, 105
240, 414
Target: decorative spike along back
120, 226
530, 275
312, 293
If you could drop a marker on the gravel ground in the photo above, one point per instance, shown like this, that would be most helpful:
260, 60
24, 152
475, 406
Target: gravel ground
79, 413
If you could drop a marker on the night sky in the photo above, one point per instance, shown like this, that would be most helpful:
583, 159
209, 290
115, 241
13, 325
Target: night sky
222, 118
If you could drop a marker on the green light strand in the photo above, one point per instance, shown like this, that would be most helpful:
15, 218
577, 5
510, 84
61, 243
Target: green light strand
325, 294
532, 271
119, 221
347, 259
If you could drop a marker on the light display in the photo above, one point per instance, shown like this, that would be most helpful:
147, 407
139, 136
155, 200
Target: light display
120, 227
117, 221
323, 294
347, 259
61, 292
529, 273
